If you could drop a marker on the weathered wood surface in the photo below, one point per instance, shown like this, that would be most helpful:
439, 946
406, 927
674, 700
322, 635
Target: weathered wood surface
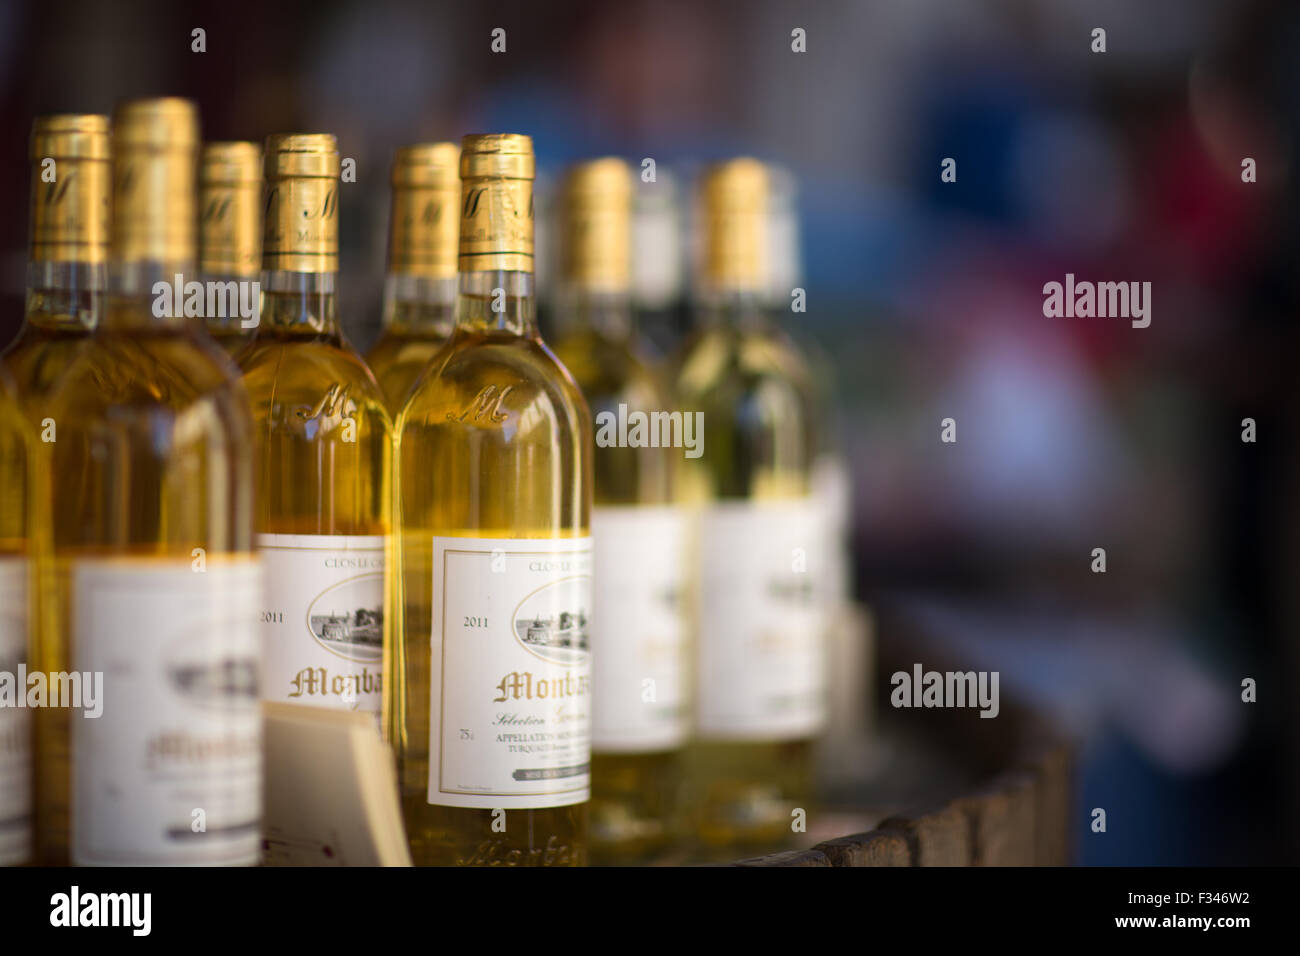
938, 838
1020, 818
1002, 822
788, 858
876, 848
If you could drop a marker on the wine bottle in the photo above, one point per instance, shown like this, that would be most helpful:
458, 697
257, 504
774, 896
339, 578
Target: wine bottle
759, 628
640, 709
491, 700
324, 444
148, 750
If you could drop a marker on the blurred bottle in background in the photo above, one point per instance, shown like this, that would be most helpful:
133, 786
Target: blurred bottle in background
68, 248
143, 548
15, 580
832, 485
546, 208
640, 719
230, 235
759, 630
845, 751
420, 290
659, 262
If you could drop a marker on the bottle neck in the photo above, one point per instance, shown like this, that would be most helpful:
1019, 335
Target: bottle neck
299, 305
740, 308
418, 305
604, 312
497, 301
65, 296
233, 302
149, 294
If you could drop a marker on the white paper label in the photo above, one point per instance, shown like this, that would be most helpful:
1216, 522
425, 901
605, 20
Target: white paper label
510, 698
761, 625
323, 620
15, 721
171, 772
638, 629
832, 488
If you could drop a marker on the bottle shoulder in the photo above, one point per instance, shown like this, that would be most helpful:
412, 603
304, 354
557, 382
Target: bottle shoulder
613, 371
391, 338
476, 379
38, 356
141, 379
291, 370
725, 360
396, 349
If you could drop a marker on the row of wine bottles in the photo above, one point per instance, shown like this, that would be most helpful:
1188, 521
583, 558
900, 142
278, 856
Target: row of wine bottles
583, 591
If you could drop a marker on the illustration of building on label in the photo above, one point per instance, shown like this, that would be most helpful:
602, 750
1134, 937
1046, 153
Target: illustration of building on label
362, 630
569, 630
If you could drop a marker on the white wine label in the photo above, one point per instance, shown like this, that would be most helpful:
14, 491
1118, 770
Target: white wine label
15, 722
761, 624
832, 488
638, 629
510, 696
323, 621
171, 772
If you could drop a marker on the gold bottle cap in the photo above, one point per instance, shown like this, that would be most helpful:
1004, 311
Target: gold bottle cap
301, 232
71, 166
425, 226
155, 153
496, 215
163, 122
230, 209
71, 136
734, 200
596, 212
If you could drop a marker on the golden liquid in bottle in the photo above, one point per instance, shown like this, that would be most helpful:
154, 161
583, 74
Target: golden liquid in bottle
69, 226
494, 442
420, 292
69, 248
15, 580
324, 440
230, 235
750, 384
152, 466
635, 788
